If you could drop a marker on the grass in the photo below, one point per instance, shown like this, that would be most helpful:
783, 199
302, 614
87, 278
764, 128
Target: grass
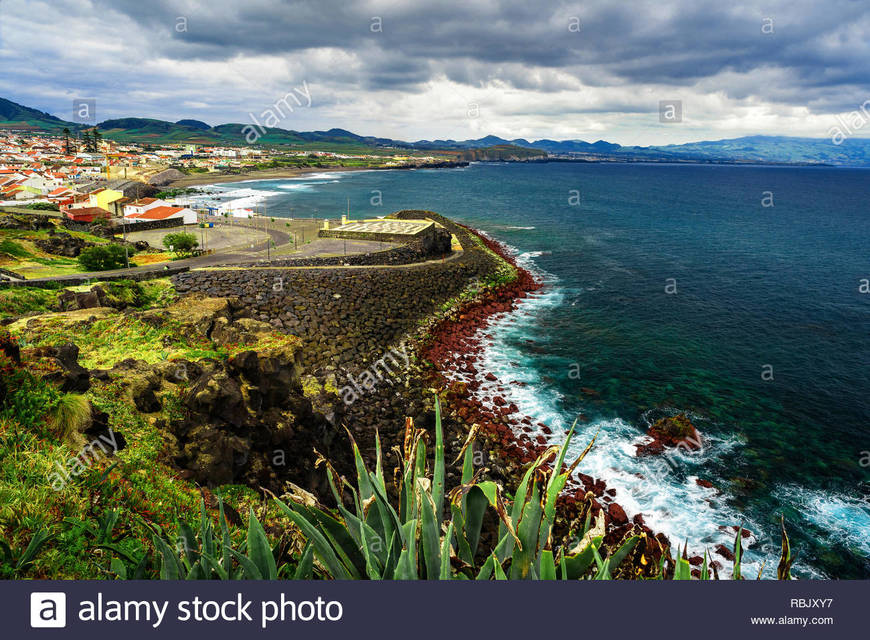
106, 341
21, 301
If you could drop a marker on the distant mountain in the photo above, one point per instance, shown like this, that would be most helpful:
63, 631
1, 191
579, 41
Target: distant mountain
16, 116
196, 124
748, 149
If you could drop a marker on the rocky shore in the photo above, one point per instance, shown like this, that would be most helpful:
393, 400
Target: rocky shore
455, 348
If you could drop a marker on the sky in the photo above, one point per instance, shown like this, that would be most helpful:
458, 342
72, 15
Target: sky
450, 69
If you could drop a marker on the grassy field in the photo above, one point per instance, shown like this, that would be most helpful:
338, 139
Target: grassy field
19, 253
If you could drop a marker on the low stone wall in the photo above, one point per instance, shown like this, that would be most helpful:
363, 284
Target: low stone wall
59, 283
147, 226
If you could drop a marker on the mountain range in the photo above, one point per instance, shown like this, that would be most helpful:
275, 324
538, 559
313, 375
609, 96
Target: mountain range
747, 149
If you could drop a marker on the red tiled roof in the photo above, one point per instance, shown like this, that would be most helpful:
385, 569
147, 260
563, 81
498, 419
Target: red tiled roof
157, 213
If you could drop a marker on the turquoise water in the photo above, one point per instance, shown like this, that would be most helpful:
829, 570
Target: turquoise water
766, 342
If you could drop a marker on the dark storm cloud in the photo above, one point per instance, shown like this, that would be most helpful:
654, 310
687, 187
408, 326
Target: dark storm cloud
820, 46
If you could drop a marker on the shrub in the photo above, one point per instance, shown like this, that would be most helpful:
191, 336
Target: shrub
70, 414
44, 206
181, 243
103, 257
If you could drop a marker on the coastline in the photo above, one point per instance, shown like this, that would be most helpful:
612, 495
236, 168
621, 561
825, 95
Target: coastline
453, 347
199, 179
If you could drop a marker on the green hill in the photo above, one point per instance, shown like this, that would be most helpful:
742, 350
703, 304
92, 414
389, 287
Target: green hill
16, 116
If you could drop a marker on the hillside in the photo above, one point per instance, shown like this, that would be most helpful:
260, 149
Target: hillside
16, 116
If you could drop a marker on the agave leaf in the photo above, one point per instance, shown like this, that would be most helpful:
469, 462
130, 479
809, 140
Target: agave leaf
783, 571
462, 548
577, 564
170, 566
529, 532
738, 554
705, 568
322, 547
498, 570
444, 574
39, 538
392, 557
492, 491
305, 568
431, 537
438, 472
548, 565
226, 541
249, 569
619, 555
206, 530
584, 453
259, 550
184, 534
487, 568
339, 534
476, 503
394, 523
212, 563
683, 570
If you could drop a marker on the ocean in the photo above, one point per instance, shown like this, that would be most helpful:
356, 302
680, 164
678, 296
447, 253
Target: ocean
729, 293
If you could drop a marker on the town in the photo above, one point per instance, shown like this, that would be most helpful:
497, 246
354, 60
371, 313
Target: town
92, 178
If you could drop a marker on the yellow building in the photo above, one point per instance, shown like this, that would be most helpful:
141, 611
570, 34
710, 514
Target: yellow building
107, 199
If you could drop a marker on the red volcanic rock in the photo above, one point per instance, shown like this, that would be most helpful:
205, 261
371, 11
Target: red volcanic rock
588, 391
546, 430
541, 440
675, 431
696, 561
638, 520
704, 483
513, 408
499, 401
490, 377
724, 551
617, 514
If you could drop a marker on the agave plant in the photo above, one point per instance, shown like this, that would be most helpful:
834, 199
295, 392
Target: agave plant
413, 540
206, 554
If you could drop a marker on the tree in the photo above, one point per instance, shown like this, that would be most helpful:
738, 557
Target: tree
86, 140
96, 137
180, 243
103, 257
66, 141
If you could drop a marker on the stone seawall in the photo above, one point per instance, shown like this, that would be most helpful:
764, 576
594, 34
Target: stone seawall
345, 314
342, 315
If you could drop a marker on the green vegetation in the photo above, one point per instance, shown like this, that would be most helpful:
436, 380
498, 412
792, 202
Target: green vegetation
105, 257
180, 243
22, 301
43, 206
14, 249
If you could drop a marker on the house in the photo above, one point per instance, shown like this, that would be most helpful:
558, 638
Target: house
142, 205
86, 214
60, 194
188, 216
107, 199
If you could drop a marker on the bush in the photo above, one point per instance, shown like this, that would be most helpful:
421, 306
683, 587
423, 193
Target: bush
180, 243
44, 206
103, 257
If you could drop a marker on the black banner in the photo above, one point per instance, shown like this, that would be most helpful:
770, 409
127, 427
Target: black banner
764, 609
